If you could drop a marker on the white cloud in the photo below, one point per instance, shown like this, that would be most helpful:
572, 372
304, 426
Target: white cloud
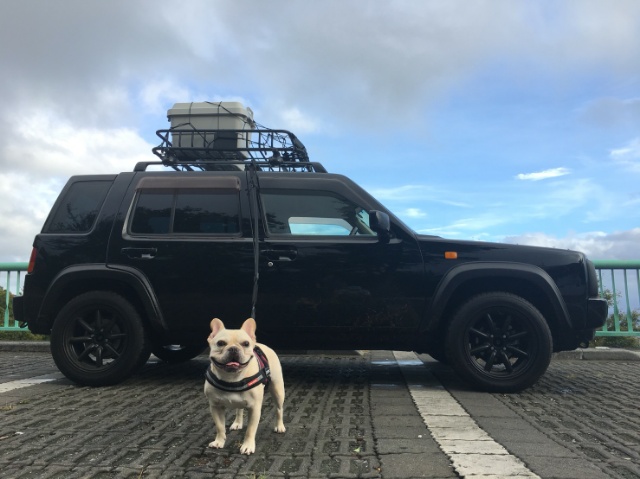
555, 204
294, 120
156, 95
628, 156
415, 193
543, 175
348, 61
45, 145
476, 225
24, 205
623, 245
611, 112
75, 97
43, 152
413, 213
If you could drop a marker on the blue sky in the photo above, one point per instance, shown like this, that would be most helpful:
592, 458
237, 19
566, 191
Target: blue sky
513, 121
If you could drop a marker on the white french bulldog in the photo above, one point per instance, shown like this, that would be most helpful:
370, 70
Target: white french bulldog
239, 372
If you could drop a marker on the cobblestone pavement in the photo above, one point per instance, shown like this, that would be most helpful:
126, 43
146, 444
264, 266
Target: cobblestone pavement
582, 419
346, 416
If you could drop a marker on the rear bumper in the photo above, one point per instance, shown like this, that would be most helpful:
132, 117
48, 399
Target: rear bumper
18, 309
597, 310
23, 315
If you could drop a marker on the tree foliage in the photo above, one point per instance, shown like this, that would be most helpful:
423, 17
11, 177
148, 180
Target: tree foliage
3, 305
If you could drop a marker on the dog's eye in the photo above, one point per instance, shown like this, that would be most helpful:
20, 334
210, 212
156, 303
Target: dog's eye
246, 344
221, 344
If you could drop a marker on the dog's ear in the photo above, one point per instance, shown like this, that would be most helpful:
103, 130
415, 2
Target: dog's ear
249, 327
216, 327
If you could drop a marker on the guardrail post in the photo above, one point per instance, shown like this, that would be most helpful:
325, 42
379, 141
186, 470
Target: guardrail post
10, 268
623, 268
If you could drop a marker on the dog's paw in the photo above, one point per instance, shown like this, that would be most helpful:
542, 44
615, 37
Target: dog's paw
236, 426
248, 447
217, 444
280, 429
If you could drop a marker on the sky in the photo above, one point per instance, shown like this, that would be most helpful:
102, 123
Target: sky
496, 120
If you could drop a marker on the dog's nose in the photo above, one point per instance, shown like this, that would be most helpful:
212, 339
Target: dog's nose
234, 352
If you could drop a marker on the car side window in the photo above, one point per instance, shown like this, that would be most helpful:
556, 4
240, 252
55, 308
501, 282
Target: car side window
78, 210
313, 213
152, 214
213, 212
162, 210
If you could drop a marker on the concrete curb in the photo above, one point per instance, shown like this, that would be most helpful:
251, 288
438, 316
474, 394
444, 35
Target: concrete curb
25, 346
599, 354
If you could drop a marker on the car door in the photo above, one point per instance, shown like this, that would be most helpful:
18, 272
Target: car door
326, 278
184, 236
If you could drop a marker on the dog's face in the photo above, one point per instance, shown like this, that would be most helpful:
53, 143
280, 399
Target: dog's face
231, 349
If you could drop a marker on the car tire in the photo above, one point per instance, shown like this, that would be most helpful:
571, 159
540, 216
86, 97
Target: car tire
178, 353
499, 342
98, 339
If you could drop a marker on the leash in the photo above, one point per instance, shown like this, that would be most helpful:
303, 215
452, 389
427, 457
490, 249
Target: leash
262, 377
253, 183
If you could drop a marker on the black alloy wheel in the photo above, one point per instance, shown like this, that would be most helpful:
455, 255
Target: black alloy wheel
99, 339
499, 342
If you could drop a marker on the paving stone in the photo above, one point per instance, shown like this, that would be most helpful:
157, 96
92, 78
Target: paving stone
567, 468
393, 421
346, 416
397, 466
407, 432
580, 420
485, 464
416, 445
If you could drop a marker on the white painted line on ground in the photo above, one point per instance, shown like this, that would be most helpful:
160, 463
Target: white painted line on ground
473, 453
23, 383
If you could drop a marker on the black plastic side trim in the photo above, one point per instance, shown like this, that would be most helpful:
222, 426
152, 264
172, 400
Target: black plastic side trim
100, 273
483, 271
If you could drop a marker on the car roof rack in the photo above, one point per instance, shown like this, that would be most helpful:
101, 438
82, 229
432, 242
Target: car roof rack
186, 148
232, 165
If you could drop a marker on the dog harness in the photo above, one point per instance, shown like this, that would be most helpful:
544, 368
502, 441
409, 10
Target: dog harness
263, 376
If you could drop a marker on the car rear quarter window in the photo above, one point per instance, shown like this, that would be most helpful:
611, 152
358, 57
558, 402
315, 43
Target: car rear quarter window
186, 208
78, 209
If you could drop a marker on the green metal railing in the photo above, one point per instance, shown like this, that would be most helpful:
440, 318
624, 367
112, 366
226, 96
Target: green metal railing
621, 281
12, 273
618, 279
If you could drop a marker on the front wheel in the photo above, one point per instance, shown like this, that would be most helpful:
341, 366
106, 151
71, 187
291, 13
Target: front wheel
98, 339
499, 342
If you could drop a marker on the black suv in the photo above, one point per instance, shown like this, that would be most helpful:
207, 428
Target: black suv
140, 262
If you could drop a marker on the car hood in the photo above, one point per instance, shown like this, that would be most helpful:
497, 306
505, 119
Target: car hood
434, 248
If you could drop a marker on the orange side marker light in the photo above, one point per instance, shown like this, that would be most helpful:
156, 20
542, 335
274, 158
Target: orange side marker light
450, 255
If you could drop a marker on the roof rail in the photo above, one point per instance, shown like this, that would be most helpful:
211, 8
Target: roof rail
234, 165
186, 148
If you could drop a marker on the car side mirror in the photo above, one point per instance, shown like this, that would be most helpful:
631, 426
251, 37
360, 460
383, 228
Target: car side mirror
380, 222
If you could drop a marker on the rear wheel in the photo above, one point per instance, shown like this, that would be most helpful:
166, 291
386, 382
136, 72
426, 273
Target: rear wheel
499, 342
178, 353
98, 339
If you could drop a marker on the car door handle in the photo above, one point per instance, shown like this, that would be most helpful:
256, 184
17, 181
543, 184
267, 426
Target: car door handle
139, 253
280, 254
